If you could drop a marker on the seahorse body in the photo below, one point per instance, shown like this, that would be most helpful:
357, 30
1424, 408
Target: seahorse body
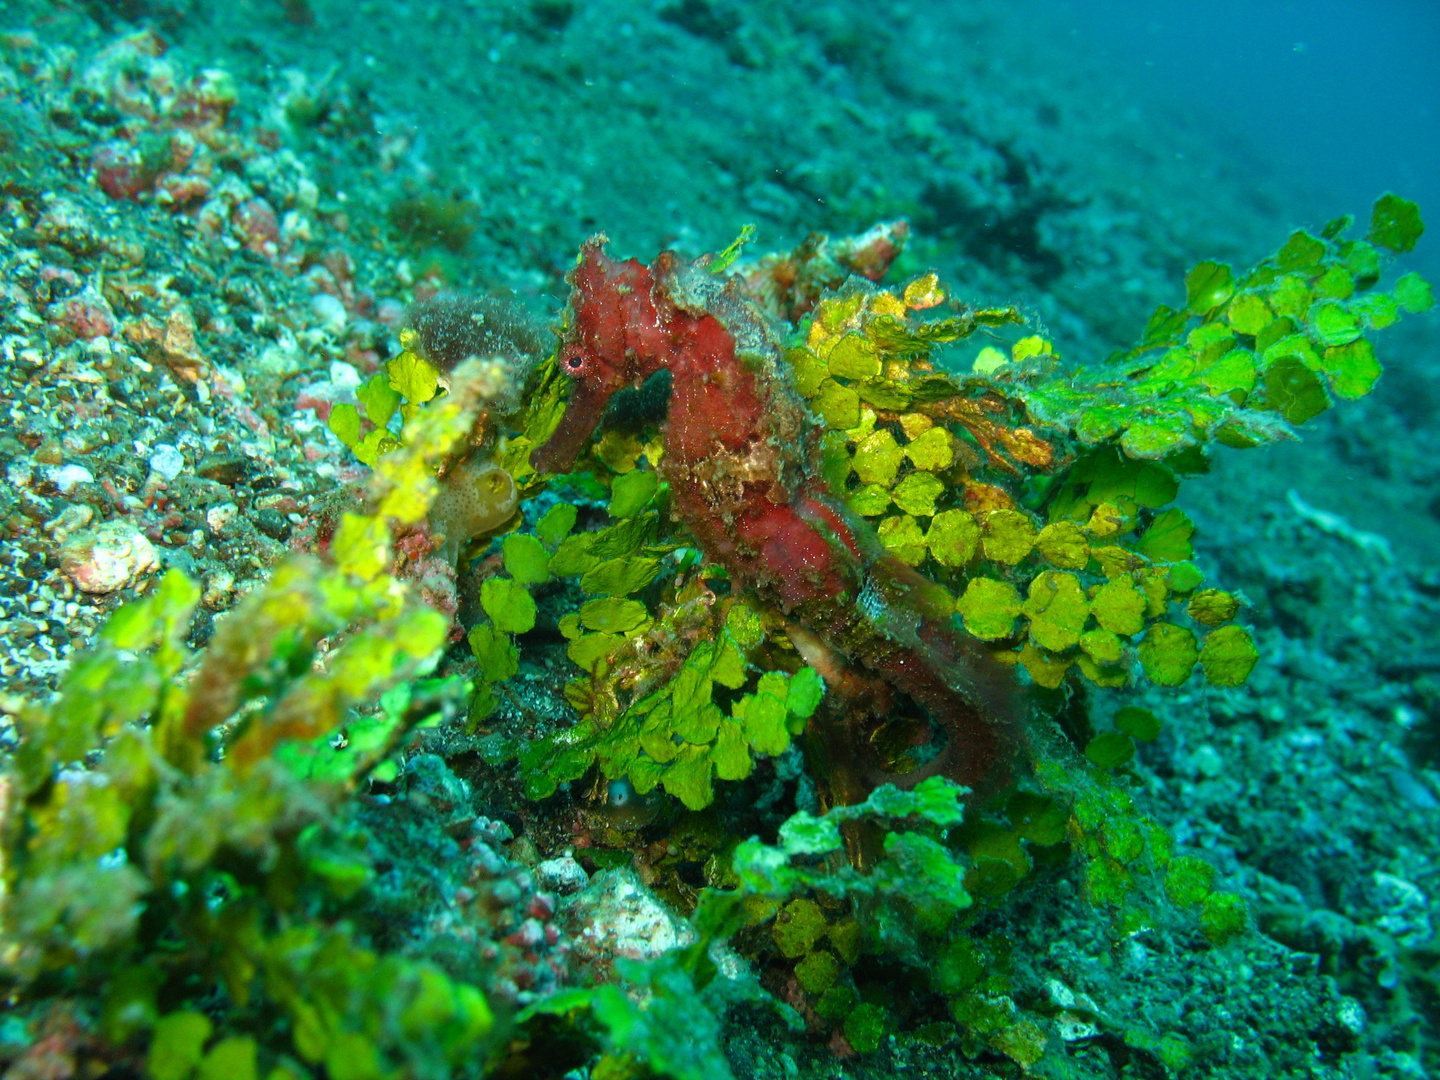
739, 459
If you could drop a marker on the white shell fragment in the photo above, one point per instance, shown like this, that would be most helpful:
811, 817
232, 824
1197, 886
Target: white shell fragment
112, 556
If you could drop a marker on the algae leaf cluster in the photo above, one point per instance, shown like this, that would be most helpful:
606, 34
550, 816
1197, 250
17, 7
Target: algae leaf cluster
1249, 354
646, 717
186, 863
1040, 493
909, 906
403, 385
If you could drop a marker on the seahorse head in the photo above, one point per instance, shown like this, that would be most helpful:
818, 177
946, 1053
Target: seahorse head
614, 338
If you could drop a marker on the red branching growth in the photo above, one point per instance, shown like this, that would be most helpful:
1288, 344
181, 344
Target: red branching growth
791, 285
740, 461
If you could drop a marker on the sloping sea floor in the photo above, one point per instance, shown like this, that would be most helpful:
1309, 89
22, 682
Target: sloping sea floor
355, 152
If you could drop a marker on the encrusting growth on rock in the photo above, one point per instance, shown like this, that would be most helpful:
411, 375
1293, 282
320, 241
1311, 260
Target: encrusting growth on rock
476, 498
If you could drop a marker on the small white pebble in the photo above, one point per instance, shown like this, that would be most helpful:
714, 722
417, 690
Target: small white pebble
219, 588
167, 461
72, 519
220, 515
307, 194
1351, 1016
563, 875
68, 477
329, 311
19, 473
1206, 760
344, 375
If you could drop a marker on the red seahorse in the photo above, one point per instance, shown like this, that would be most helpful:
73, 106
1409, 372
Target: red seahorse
740, 453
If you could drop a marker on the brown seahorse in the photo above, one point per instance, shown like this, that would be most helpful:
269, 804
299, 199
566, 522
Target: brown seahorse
740, 458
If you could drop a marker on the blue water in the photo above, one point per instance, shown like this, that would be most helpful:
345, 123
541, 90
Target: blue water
1342, 95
